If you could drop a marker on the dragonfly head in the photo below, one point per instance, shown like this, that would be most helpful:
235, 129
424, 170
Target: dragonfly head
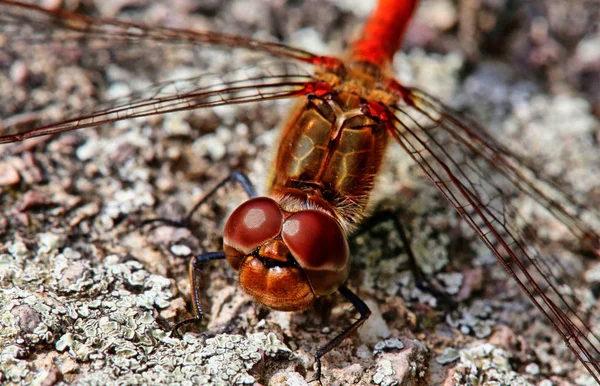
285, 259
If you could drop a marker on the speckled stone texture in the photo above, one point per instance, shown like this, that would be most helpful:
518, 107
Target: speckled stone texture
88, 295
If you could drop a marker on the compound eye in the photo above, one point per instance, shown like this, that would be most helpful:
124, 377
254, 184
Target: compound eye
316, 241
252, 223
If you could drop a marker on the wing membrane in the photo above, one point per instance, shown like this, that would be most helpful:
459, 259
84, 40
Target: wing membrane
63, 26
481, 179
266, 82
277, 76
521, 173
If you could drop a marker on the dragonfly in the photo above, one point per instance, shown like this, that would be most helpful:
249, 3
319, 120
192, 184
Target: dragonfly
291, 247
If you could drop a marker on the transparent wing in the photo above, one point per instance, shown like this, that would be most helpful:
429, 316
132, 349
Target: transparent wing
280, 80
63, 26
482, 179
24, 27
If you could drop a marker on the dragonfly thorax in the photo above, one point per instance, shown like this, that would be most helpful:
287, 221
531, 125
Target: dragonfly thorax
331, 149
365, 80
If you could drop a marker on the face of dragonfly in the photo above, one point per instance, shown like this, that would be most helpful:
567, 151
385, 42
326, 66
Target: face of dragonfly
131, 169
285, 260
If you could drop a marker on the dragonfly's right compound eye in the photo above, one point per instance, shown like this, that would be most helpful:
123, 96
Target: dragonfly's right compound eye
249, 226
319, 246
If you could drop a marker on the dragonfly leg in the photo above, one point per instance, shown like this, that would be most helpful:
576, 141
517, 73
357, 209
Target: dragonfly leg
196, 265
235, 176
421, 280
364, 312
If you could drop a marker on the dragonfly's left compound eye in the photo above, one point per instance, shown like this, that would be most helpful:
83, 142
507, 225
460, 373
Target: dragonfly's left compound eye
249, 226
319, 246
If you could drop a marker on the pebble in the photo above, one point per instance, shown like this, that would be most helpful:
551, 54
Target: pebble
8, 175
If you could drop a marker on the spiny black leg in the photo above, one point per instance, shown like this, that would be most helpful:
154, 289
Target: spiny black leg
364, 312
196, 265
421, 280
235, 176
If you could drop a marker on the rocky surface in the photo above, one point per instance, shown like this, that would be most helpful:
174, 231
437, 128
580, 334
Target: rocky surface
88, 295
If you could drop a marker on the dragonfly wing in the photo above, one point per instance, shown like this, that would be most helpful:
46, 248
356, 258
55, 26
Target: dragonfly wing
266, 82
482, 180
67, 41
61, 26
